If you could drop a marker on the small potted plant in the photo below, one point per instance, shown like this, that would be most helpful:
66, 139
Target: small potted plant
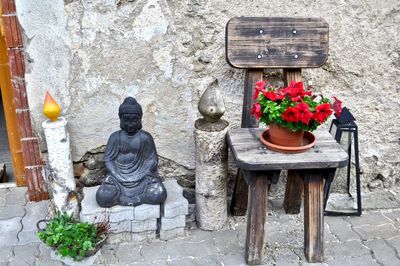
71, 238
289, 112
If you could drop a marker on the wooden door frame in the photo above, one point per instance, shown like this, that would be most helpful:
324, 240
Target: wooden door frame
19, 121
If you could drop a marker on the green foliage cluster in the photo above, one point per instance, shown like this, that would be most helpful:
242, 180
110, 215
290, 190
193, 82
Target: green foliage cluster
70, 237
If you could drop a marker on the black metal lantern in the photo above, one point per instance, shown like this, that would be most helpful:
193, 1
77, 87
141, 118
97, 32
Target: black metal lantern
345, 131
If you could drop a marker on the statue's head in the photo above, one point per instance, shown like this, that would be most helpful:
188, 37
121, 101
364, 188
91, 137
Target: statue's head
130, 115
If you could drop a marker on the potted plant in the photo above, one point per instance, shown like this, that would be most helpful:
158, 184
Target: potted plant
290, 111
71, 238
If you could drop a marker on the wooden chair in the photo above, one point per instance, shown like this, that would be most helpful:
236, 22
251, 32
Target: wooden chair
256, 43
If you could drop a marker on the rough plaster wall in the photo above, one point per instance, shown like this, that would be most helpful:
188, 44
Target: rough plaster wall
91, 54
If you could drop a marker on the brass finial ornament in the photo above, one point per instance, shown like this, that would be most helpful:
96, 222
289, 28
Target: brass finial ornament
50, 108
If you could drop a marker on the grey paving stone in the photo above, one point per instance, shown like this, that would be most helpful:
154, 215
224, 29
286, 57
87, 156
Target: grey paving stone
284, 236
17, 195
328, 235
385, 231
171, 234
119, 238
28, 237
226, 242
146, 211
17, 262
44, 259
172, 223
383, 253
143, 236
175, 204
349, 248
198, 235
6, 254
108, 256
128, 253
3, 193
154, 251
287, 259
365, 260
394, 216
119, 227
10, 211
181, 262
305, 263
372, 218
9, 229
177, 249
48, 262
146, 225
35, 211
236, 259
153, 263
211, 260
341, 228
395, 243
26, 253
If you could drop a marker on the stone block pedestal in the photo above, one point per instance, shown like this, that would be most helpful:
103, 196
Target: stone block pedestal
174, 211
143, 219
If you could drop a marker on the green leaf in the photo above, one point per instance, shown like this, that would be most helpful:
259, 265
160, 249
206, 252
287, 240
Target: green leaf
87, 245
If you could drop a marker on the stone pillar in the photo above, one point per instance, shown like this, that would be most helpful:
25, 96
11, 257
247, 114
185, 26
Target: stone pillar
60, 175
211, 162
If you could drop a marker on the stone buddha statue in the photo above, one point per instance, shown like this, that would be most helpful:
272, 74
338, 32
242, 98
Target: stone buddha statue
131, 162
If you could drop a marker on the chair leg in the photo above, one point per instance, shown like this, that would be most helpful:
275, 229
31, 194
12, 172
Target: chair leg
293, 193
313, 217
256, 215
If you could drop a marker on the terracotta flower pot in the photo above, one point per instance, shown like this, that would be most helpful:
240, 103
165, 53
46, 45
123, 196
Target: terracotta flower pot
283, 136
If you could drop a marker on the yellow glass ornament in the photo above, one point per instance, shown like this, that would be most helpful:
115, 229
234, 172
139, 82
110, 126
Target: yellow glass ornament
50, 108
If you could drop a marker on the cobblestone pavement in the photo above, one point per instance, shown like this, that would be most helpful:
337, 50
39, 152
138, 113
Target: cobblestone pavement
372, 239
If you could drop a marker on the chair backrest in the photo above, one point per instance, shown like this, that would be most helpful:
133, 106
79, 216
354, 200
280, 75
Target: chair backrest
276, 42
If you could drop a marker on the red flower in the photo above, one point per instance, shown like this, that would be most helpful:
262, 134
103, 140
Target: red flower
296, 99
337, 107
296, 89
304, 111
291, 115
256, 110
270, 95
280, 94
260, 84
322, 112
259, 87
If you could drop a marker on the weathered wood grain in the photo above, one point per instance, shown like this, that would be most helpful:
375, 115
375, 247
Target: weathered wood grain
239, 197
251, 77
276, 42
256, 214
313, 216
293, 193
251, 154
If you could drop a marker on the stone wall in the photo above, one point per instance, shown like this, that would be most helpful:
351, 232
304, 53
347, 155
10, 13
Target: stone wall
92, 54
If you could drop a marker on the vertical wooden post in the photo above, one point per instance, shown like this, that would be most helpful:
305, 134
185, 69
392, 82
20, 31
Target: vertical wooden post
293, 193
313, 217
239, 197
256, 211
294, 188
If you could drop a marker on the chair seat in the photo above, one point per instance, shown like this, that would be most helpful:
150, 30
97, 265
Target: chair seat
250, 154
